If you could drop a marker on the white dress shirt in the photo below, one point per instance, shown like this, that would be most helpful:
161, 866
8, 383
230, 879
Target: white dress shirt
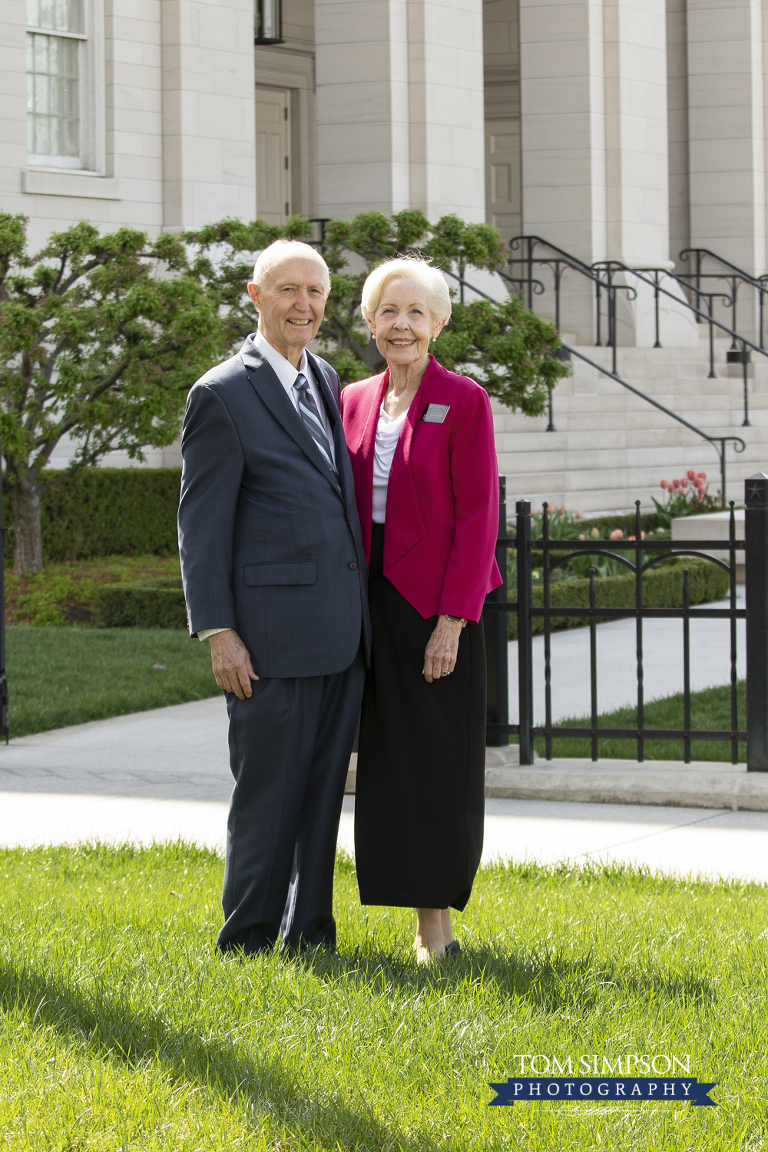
387, 436
286, 374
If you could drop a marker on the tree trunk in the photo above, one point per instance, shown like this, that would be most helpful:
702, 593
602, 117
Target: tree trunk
26, 505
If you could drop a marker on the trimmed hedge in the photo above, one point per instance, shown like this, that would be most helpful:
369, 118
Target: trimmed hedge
109, 512
142, 604
662, 588
132, 512
160, 603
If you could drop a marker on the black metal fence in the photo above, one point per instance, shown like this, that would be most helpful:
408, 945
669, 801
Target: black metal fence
638, 556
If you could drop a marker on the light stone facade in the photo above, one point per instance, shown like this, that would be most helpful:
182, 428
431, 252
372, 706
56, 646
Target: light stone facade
616, 129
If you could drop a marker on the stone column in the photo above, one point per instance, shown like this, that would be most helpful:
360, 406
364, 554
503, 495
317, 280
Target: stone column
361, 61
594, 126
562, 103
446, 113
637, 172
400, 107
209, 125
726, 100
594, 139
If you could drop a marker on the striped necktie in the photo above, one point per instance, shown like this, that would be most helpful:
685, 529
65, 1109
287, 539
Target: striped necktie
312, 422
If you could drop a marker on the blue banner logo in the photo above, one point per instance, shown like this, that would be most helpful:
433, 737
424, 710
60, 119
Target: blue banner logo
666, 1090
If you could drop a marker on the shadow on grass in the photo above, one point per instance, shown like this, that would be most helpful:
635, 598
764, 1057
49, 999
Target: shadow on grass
136, 1039
553, 982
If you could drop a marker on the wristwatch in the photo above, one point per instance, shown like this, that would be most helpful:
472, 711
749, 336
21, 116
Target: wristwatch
456, 619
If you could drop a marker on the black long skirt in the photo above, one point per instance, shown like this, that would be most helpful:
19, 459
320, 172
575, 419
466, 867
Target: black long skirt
419, 805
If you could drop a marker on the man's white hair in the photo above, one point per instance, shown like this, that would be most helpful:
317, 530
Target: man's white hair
281, 250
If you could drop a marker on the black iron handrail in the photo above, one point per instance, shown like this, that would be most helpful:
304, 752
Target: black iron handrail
732, 273
739, 444
601, 275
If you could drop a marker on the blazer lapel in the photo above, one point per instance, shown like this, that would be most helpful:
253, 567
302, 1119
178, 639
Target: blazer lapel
405, 525
269, 389
367, 440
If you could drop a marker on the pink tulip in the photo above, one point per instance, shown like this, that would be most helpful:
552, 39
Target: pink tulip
582, 536
684, 483
578, 513
701, 475
616, 534
675, 485
630, 537
691, 474
642, 535
665, 484
561, 510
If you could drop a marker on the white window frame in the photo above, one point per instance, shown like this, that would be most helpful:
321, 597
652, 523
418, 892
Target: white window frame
92, 98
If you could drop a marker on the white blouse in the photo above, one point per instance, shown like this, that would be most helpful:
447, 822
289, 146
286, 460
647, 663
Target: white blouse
387, 435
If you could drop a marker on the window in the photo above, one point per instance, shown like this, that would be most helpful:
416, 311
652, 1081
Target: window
55, 62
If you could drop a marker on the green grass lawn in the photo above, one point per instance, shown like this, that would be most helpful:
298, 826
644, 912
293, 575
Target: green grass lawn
123, 1030
709, 709
61, 676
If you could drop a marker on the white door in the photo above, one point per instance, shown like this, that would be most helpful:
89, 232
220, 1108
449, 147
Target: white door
273, 155
502, 176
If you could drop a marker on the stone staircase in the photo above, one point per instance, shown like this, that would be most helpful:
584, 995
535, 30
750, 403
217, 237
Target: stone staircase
611, 448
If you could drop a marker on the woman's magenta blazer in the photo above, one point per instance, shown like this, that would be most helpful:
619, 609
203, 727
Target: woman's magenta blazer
443, 494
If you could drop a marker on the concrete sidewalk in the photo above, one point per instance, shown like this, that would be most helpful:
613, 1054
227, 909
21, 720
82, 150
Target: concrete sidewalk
617, 664
164, 774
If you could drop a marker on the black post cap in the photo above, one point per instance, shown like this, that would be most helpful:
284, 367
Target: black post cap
756, 490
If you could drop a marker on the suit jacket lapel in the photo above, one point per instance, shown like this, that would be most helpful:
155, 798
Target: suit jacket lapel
269, 389
405, 527
337, 428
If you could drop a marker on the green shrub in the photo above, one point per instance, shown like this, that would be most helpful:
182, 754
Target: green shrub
109, 512
142, 604
662, 588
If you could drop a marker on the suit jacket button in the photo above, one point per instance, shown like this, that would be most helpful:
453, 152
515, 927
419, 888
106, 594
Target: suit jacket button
353, 564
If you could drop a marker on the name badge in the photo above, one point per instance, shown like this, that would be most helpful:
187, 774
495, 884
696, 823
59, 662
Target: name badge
435, 413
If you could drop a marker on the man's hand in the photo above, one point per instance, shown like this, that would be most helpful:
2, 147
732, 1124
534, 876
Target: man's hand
442, 649
231, 663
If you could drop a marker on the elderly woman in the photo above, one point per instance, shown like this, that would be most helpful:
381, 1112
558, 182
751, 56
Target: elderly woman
424, 461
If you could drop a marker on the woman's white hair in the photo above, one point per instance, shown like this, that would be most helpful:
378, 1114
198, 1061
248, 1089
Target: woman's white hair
280, 250
411, 268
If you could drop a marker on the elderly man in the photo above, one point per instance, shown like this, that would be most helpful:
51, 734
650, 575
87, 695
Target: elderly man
275, 580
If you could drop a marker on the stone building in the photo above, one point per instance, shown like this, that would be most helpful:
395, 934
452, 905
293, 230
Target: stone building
622, 130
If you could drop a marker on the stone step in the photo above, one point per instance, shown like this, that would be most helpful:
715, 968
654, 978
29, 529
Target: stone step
668, 783
611, 447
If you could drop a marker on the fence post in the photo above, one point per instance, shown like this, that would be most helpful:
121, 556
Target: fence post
756, 576
524, 631
496, 650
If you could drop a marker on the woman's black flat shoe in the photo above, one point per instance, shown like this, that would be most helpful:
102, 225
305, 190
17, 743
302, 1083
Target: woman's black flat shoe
453, 948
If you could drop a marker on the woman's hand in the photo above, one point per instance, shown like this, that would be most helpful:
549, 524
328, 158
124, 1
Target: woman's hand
442, 649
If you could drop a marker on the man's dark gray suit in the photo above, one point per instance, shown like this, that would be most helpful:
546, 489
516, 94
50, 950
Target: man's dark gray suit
271, 546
